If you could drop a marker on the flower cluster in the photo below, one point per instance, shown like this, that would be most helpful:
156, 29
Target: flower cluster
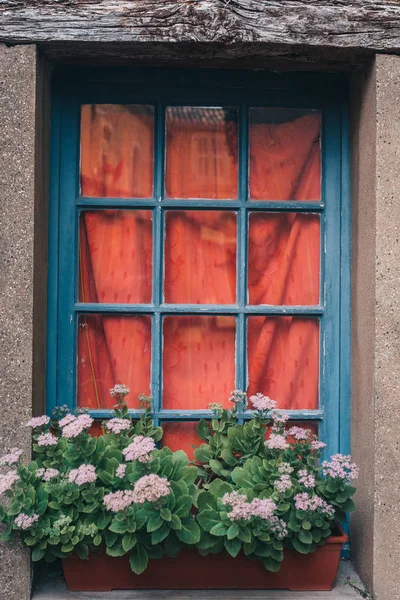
340, 467
7, 481
47, 474
263, 508
285, 468
299, 433
75, 425
38, 421
11, 458
276, 442
118, 501
67, 420
150, 488
216, 408
145, 402
317, 445
119, 390
313, 504
83, 474
120, 472
262, 403
238, 397
23, 521
47, 439
279, 420
283, 484
140, 449
306, 479
118, 425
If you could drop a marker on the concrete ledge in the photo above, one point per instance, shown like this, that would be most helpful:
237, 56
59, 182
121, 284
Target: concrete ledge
55, 589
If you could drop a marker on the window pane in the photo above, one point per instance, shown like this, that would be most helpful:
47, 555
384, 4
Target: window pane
285, 154
284, 258
115, 257
200, 257
198, 361
180, 436
201, 152
117, 147
113, 350
283, 360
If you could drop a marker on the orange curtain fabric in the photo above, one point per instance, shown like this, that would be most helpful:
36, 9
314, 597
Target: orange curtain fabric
200, 260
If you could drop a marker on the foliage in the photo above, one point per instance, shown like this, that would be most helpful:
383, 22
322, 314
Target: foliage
120, 494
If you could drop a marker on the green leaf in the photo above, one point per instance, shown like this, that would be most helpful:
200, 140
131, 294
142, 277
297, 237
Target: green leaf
183, 506
105, 477
128, 541
206, 501
300, 547
233, 531
207, 519
306, 525
111, 538
216, 466
116, 550
203, 430
165, 514
154, 523
175, 523
138, 559
117, 527
232, 547
219, 529
203, 454
37, 554
97, 540
172, 546
271, 565
190, 532
82, 550
160, 534
305, 537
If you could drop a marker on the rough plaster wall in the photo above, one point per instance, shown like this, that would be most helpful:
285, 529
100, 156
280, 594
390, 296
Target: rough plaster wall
17, 186
387, 336
363, 169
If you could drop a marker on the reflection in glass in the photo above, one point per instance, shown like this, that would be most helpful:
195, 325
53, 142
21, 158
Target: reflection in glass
180, 435
201, 152
283, 360
117, 148
198, 361
284, 258
200, 257
112, 350
115, 256
285, 154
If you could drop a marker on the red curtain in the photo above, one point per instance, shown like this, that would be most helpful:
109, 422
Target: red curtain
199, 258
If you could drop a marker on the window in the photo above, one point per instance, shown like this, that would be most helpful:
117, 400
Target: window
198, 244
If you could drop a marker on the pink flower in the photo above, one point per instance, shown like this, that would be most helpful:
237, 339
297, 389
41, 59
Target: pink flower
276, 442
24, 522
119, 389
7, 481
67, 420
241, 510
120, 472
83, 474
11, 458
262, 403
47, 439
263, 508
278, 527
313, 504
279, 420
285, 468
340, 467
38, 421
49, 474
118, 425
150, 488
299, 433
140, 449
317, 445
77, 426
117, 501
306, 479
238, 397
283, 484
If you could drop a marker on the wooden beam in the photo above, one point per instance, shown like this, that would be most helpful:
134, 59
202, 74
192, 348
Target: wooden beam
358, 25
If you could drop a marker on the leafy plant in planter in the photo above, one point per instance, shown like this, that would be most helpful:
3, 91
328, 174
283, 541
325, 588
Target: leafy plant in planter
119, 494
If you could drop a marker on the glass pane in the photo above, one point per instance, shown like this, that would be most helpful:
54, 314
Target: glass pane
179, 435
115, 259
113, 350
283, 360
201, 152
285, 154
284, 258
117, 148
200, 257
198, 361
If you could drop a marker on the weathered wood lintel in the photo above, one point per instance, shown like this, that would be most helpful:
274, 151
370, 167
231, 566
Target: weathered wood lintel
242, 29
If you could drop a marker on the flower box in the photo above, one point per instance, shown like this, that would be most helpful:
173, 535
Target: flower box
298, 572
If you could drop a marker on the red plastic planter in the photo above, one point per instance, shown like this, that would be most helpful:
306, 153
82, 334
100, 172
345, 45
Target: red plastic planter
298, 572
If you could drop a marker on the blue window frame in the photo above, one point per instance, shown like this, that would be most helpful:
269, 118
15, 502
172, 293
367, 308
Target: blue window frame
162, 88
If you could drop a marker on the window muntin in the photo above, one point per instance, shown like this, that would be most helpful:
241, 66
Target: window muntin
332, 310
